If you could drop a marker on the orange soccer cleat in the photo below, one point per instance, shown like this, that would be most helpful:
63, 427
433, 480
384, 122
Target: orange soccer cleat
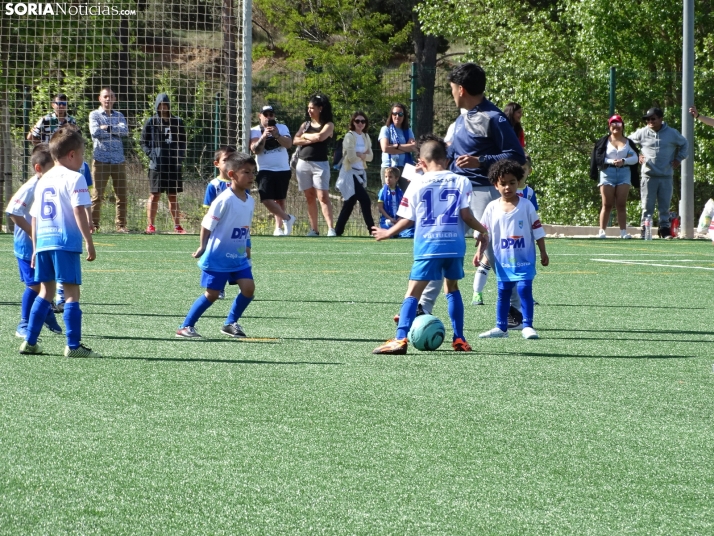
393, 347
460, 345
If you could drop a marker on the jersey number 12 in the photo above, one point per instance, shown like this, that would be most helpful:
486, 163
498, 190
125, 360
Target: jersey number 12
449, 216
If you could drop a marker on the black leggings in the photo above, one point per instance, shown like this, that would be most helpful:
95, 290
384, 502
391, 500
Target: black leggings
362, 196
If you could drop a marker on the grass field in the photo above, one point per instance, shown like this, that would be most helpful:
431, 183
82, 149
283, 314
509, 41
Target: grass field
604, 426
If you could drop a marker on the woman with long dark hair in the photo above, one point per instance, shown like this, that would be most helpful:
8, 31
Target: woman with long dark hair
313, 169
514, 113
614, 164
352, 182
397, 142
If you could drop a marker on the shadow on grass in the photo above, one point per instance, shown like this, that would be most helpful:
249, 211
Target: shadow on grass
206, 360
183, 315
598, 306
641, 331
202, 340
355, 302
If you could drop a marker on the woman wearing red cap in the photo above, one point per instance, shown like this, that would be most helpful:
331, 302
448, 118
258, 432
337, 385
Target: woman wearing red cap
614, 164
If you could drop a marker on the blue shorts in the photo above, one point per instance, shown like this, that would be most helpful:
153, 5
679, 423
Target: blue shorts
615, 176
60, 266
218, 280
27, 273
434, 269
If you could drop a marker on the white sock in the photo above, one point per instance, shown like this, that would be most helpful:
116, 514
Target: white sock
481, 277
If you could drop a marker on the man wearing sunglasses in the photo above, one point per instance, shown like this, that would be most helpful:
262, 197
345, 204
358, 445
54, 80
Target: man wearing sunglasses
663, 150
47, 125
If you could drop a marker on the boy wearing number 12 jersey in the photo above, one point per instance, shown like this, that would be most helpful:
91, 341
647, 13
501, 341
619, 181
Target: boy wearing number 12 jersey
438, 205
59, 223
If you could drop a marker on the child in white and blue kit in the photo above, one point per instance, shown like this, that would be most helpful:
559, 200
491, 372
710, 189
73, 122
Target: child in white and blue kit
224, 251
515, 230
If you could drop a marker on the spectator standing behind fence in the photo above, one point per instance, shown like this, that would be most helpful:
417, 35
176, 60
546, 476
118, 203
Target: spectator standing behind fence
482, 137
107, 127
614, 164
313, 169
397, 142
48, 124
163, 140
270, 142
663, 150
352, 182
514, 112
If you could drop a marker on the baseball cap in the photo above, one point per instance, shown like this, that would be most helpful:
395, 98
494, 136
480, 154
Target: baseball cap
654, 111
615, 119
266, 109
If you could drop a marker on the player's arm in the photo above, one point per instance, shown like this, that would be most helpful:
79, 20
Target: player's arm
544, 259
88, 212
383, 234
33, 234
80, 216
471, 221
22, 223
203, 239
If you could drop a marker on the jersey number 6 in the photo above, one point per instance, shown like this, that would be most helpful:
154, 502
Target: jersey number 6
49, 209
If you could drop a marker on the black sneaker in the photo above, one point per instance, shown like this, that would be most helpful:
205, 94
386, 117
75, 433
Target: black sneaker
515, 318
664, 232
642, 232
420, 310
233, 330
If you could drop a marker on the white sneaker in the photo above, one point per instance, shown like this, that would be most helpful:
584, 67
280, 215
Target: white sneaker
278, 232
624, 234
288, 225
312, 232
601, 233
530, 333
495, 333
331, 232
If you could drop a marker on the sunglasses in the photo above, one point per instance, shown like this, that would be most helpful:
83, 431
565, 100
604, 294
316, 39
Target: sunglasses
269, 114
60, 102
616, 123
361, 121
399, 114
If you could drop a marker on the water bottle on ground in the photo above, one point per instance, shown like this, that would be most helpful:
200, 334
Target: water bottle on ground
648, 228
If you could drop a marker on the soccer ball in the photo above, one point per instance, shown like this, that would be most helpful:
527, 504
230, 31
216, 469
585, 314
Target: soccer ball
427, 333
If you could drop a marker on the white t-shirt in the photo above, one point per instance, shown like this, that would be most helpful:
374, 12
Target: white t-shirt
20, 205
55, 199
433, 202
229, 219
275, 159
513, 236
359, 148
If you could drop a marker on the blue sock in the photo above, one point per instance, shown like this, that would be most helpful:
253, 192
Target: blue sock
28, 298
456, 313
238, 307
406, 316
73, 324
37, 318
503, 304
197, 309
525, 292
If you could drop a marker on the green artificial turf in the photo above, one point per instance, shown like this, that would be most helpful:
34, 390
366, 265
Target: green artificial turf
604, 426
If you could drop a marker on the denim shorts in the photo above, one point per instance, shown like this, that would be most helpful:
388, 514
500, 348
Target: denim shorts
615, 176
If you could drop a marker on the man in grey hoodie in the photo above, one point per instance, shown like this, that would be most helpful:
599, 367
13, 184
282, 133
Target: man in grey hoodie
163, 139
663, 150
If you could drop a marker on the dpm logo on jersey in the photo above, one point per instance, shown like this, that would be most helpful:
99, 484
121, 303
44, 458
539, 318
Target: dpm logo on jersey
513, 242
239, 233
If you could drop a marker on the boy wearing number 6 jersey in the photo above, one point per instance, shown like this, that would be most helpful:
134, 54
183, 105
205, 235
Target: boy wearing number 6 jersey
59, 223
437, 204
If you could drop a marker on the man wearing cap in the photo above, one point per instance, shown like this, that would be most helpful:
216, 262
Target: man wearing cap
48, 124
270, 142
663, 150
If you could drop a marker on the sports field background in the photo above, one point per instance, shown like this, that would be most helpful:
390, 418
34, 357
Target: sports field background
604, 426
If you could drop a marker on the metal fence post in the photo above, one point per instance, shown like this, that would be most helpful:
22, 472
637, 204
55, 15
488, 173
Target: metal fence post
216, 126
413, 98
26, 99
613, 85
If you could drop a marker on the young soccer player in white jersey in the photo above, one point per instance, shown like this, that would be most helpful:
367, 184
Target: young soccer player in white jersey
59, 223
19, 211
224, 253
515, 230
438, 205
218, 185
482, 265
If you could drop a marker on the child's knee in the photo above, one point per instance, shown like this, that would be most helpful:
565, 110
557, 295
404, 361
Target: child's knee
247, 287
212, 294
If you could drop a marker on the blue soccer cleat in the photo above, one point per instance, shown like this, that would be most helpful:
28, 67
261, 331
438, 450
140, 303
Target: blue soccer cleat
52, 324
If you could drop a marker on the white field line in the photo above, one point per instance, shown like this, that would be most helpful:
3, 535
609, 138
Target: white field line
690, 267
